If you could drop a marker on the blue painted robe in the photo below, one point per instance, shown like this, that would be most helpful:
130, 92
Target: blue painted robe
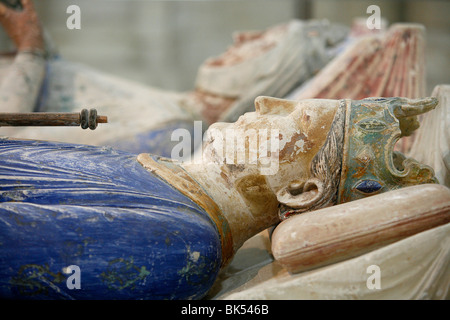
132, 235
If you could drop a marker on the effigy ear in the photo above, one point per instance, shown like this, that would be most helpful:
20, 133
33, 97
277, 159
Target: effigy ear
300, 197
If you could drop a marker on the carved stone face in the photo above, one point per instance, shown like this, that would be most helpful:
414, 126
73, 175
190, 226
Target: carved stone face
315, 143
299, 128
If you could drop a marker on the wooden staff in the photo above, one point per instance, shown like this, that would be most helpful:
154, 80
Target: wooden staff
85, 119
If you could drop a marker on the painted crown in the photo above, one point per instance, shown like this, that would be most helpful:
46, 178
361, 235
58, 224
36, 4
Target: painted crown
369, 164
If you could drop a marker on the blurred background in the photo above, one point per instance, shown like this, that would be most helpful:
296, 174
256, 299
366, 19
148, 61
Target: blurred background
162, 43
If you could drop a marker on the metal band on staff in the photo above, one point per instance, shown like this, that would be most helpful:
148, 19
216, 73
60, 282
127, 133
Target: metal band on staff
85, 119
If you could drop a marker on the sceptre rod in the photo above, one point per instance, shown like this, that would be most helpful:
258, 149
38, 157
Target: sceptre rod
85, 119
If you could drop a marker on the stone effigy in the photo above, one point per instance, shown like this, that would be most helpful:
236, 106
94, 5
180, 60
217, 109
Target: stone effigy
141, 118
202, 213
147, 227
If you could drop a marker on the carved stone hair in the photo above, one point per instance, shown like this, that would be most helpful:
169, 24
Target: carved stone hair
321, 189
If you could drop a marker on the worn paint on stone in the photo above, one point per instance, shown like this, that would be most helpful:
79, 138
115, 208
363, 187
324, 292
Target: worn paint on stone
370, 165
132, 234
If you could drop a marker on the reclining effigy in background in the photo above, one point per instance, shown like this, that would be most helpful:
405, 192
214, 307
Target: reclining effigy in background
384, 64
142, 118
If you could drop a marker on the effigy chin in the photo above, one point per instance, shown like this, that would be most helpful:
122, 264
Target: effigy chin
147, 227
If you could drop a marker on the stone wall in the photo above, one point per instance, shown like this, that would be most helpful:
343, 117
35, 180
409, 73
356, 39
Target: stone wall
160, 43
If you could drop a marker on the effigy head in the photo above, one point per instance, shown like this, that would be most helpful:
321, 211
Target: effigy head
328, 151
335, 151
